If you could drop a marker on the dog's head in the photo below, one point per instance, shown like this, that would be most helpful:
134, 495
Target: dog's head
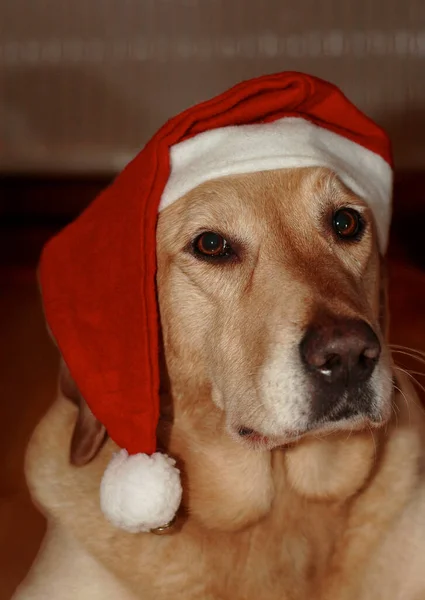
272, 304
270, 295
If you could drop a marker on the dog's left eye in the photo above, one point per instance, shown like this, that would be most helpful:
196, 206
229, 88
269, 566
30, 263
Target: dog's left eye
348, 223
211, 245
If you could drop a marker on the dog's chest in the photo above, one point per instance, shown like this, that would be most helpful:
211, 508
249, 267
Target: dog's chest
264, 564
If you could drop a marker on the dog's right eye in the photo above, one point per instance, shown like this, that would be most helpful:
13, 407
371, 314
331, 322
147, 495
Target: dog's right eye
211, 245
348, 224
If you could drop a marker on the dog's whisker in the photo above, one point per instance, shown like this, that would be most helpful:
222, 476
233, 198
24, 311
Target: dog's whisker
375, 451
254, 412
409, 374
393, 403
395, 417
419, 373
419, 356
408, 349
349, 433
417, 404
403, 395
326, 434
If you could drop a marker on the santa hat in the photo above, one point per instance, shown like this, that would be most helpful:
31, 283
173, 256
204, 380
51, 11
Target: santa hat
98, 275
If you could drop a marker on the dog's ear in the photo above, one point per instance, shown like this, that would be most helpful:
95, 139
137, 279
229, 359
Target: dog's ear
89, 434
384, 313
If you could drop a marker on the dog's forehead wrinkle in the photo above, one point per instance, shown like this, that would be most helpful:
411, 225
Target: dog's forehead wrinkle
330, 186
253, 192
329, 183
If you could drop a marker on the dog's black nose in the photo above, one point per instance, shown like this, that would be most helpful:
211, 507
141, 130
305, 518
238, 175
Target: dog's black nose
341, 352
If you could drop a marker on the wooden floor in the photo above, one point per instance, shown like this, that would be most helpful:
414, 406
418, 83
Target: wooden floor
28, 365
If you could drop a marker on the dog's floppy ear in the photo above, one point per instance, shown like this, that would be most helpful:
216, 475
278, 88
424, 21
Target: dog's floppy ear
89, 434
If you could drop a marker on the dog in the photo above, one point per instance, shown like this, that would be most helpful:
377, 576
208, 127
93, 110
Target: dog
300, 446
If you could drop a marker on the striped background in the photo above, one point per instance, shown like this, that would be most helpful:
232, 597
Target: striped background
84, 83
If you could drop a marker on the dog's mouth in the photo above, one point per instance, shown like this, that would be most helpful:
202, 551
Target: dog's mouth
260, 441
361, 410
323, 428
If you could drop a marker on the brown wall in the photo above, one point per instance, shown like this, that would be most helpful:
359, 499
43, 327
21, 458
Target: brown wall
83, 84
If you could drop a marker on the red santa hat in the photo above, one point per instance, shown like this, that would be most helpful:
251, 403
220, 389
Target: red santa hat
98, 275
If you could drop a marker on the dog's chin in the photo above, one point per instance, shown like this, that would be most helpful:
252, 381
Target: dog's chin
325, 427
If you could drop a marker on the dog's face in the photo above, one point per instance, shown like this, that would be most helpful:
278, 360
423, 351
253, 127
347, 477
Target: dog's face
269, 293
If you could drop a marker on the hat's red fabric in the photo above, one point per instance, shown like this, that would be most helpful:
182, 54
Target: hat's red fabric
98, 275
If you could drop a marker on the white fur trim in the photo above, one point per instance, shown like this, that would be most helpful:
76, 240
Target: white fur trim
140, 492
287, 143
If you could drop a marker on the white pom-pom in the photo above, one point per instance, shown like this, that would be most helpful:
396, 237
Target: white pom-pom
140, 492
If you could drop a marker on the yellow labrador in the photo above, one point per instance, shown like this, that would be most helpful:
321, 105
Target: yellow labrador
302, 455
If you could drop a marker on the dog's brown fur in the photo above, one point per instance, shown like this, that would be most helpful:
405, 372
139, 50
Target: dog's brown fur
333, 517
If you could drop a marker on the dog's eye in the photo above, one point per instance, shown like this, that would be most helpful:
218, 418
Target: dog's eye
211, 245
347, 223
